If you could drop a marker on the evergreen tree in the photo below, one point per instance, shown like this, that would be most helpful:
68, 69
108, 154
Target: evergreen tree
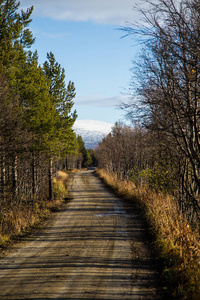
44, 101
93, 157
62, 100
86, 157
15, 36
61, 96
38, 109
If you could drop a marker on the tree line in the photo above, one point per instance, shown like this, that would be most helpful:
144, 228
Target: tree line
36, 113
163, 148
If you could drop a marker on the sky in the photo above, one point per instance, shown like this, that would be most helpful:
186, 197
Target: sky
85, 38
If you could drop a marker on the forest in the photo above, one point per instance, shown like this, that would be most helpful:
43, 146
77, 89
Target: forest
36, 125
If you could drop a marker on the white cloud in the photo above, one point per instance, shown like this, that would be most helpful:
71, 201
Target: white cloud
53, 35
98, 101
116, 12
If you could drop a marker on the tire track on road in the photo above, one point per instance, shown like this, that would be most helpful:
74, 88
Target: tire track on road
93, 249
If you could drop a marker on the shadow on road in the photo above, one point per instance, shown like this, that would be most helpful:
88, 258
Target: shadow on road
93, 250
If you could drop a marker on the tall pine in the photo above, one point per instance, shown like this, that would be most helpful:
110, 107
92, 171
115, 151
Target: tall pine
64, 139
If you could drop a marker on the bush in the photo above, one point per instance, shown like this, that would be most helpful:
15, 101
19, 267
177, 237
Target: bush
161, 178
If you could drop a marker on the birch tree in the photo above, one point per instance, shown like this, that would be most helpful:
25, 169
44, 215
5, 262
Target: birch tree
169, 71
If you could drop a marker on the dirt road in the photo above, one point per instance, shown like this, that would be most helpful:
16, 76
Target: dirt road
93, 249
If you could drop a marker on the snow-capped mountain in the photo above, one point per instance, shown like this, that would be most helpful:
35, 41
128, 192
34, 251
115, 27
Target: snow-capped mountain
91, 131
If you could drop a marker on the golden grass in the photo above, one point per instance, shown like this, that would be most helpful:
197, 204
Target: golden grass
16, 220
175, 242
62, 176
60, 185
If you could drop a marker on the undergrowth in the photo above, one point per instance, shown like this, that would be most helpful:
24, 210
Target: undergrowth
176, 244
16, 220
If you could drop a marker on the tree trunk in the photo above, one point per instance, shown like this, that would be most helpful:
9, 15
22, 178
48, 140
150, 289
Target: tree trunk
33, 175
3, 176
50, 179
14, 177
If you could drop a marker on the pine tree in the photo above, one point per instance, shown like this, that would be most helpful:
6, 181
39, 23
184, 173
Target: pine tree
61, 96
44, 100
62, 100
15, 36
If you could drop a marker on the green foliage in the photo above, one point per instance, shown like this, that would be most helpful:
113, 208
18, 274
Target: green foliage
61, 96
15, 36
59, 190
26, 79
45, 100
63, 137
81, 144
161, 178
87, 159
93, 157
38, 110
88, 155
35, 108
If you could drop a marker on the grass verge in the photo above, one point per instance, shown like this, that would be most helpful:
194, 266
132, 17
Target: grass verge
16, 221
176, 244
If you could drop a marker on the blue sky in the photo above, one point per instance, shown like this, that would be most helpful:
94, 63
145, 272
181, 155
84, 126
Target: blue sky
84, 37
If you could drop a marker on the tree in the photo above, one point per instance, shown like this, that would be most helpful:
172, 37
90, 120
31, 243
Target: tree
61, 97
39, 105
63, 137
121, 150
93, 157
169, 90
82, 151
88, 159
15, 36
35, 99
39, 111
13, 137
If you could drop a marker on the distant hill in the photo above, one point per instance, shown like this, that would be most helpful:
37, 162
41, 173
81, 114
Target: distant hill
91, 131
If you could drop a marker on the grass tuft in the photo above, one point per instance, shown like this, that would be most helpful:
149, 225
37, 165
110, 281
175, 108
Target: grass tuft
60, 190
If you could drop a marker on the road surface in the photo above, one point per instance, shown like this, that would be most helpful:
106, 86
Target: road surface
92, 249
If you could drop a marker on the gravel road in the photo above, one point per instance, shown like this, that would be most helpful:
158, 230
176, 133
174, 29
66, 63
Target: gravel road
92, 249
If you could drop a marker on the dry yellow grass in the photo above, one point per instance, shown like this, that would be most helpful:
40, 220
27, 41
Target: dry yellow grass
15, 220
60, 186
61, 176
176, 243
